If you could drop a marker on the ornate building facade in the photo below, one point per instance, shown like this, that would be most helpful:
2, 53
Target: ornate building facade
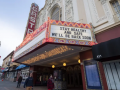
104, 16
100, 64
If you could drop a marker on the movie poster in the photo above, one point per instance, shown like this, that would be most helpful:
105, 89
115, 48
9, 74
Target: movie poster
92, 76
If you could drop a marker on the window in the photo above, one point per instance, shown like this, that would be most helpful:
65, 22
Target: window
116, 8
56, 14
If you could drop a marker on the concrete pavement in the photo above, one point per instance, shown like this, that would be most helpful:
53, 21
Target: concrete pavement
8, 85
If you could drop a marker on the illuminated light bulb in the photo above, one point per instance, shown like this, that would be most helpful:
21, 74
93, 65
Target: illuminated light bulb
64, 64
53, 66
79, 61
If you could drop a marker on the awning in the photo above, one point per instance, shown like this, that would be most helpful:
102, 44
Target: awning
21, 66
107, 49
2, 70
6, 69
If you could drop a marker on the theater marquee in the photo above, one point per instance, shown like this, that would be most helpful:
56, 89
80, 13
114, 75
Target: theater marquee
55, 32
70, 33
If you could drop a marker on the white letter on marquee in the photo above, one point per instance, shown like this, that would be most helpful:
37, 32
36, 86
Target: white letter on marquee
31, 24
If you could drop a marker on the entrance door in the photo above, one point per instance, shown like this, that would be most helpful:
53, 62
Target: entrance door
74, 78
112, 73
70, 79
77, 76
77, 79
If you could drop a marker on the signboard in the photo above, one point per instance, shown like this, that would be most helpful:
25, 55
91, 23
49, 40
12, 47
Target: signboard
92, 75
32, 19
2, 68
70, 33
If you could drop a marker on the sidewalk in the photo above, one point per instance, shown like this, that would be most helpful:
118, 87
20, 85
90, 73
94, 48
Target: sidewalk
8, 85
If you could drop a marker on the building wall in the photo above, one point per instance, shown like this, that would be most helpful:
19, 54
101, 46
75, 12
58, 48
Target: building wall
81, 12
71, 11
109, 34
98, 12
8, 60
5, 62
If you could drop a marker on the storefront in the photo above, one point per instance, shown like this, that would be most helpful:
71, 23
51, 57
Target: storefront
12, 73
64, 47
109, 54
23, 70
6, 73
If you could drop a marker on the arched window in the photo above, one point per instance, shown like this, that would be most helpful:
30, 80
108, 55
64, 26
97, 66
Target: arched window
56, 14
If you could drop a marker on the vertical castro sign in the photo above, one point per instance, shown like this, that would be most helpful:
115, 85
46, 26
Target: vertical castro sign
32, 19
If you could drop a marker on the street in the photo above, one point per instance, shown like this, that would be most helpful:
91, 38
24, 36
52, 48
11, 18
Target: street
8, 85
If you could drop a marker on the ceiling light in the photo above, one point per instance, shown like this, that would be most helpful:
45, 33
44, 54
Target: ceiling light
64, 64
53, 66
79, 61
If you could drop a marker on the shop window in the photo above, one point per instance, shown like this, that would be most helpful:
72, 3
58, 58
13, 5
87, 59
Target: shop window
116, 8
56, 14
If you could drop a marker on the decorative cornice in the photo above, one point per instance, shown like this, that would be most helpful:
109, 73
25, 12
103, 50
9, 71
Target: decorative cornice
108, 27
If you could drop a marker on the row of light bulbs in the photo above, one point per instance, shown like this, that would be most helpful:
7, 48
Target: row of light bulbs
64, 64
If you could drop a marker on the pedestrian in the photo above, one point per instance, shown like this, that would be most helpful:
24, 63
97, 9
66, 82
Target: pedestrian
19, 82
29, 83
50, 83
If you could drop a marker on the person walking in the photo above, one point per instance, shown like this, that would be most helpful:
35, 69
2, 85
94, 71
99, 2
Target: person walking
29, 83
19, 82
50, 83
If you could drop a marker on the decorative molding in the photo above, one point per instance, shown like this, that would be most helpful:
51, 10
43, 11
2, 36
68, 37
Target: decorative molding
69, 10
101, 24
94, 10
45, 11
107, 10
103, 2
108, 27
101, 19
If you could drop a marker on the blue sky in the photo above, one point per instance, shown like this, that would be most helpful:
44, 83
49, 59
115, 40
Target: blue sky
13, 19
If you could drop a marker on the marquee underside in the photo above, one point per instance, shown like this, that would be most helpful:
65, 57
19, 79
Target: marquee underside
70, 55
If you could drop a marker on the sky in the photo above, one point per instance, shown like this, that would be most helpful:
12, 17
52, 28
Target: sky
13, 20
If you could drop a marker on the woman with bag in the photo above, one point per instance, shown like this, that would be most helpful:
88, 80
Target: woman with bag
50, 83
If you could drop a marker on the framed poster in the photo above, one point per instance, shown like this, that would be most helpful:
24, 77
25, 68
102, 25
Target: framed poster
92, 75
55, 74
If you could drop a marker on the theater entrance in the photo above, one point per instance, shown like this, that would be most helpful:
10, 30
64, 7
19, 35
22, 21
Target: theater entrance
71, 76
74, 78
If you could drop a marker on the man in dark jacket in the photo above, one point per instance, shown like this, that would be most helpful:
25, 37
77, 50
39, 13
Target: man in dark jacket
19, 82
29, 83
